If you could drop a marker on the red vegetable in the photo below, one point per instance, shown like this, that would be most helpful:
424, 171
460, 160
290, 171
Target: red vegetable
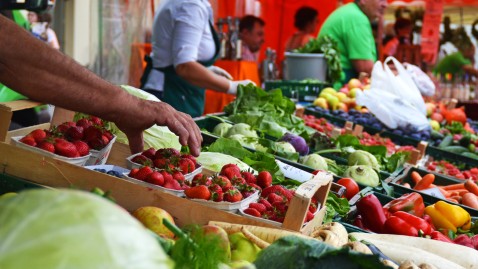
456, 114
396, 225
372, 213
410, 202
351, 187
418, 223
464, 240
436, 235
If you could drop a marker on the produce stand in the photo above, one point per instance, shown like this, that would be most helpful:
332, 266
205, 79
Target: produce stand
303, 91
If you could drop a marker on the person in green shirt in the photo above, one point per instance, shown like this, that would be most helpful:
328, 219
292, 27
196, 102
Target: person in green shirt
350, 27
458, 63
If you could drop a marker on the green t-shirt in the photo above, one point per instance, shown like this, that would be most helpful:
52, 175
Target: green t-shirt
351, 28
452, 64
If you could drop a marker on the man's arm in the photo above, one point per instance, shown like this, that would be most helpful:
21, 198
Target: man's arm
198, 75
44, 74
363, 66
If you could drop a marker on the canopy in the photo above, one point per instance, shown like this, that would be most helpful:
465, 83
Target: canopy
447, 2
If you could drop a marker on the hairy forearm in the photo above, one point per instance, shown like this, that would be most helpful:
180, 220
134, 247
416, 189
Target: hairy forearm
198, 75
44, 74
365, 66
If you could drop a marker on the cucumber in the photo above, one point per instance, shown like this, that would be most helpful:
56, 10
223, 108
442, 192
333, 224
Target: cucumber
435, 135
446, 141
465, 141
470, 155
455, 149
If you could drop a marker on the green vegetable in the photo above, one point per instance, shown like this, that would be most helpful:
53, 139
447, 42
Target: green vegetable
221, 129
456, 128
446, 141
436, 135
361, 157
329, 47
214, 161
299, 253
315, 161
465, 141
455, 149
55, 229
363, 174
242, 129
336, 206
470, 155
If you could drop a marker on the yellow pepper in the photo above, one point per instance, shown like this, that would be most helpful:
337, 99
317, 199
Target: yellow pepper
448, 216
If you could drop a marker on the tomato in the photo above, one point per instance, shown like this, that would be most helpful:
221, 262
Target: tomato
351, 186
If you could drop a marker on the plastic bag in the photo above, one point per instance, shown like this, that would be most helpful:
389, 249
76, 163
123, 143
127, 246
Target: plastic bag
7, 95
392, 110
421, 79
401, 85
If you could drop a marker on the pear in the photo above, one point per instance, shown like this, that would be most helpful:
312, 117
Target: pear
333, 102
321, 102
327, 90
353, 92
342, 96
354, 83
152, 218
435, 125
213, 230
242, 248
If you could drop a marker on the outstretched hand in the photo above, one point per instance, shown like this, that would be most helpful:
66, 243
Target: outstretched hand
161, 114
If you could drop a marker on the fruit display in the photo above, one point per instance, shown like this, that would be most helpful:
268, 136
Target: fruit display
449, 169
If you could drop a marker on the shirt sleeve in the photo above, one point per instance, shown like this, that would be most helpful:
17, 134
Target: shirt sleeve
359, 42
189, 24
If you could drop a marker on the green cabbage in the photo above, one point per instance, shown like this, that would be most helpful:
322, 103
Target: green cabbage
221, 129
315, 161
285, 146
242, 129
71, 229
214, 161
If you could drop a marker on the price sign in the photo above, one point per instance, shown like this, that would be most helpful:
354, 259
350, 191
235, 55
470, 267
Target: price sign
435, 192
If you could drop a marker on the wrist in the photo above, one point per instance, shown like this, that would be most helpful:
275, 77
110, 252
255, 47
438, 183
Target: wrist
232, 88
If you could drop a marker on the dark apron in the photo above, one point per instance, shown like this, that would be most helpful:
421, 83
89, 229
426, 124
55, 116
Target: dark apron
182, 95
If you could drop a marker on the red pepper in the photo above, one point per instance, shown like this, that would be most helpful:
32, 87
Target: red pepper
372, 212
418, 223
396, 225
436, 235
358, 221
410, 202
464, 240
429, 220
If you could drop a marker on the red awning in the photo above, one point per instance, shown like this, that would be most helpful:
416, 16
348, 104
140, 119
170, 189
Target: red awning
447, 2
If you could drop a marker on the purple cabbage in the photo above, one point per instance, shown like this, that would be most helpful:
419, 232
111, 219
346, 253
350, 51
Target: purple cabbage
297, 142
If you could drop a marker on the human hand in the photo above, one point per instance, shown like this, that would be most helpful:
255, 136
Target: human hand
234, 84
219, 71
162, 114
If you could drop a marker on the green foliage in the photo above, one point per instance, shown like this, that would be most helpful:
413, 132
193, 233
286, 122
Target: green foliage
329, 48
336, 206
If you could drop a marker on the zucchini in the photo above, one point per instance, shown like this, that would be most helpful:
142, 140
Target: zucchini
446, 141
465, 141
435, 135
456, 149
470, 155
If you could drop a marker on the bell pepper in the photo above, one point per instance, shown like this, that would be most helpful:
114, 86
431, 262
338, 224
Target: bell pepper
448, 216
372, 213
410, 202
407, 224
436, 235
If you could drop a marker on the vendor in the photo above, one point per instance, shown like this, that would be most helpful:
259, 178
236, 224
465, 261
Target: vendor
185, 44
306, 20
350, 27
251, 32
458, 63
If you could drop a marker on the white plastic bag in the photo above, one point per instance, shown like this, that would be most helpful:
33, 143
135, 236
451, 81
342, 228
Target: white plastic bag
421, 79
401, 85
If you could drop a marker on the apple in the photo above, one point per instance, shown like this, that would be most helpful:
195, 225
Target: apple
327, 90
353, 92
242, 249
437, 116
343, 106
152, 218
354, 83
435, 125
430, 108
321, 102
333, 101
344, 90
214, 230
342, 96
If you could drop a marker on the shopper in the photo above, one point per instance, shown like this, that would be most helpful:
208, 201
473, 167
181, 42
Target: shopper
46, 75
350, 27
251, 32
306, 20
458, 63
184, 45
403, 29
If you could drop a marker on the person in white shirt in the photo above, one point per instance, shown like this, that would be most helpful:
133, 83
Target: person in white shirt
185, 44
40, 28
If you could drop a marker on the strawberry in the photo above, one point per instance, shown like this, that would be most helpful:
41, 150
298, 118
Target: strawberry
133, 172
85, 123
185, 187
186, 165
230, 171
167, 176
167, 153
258, 206
274, 198
155, 178
221, 181
96, 143
46, 146
237, 181
178, 176
64, 126
201, 179
309, 216
255, 186
29, 140
198, 192
171, 184
96, 121
269, 214
252, 212
141, 159
279, 207
264, 179
217, 196
74, 133
105, 139
277, 189
82, 147
312, 208
65, 148
143, 173
149, 153
38, 135
191, 157
215, 188
161, 163
108, 135
232, 195
249, 177
92, 133
265, 203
